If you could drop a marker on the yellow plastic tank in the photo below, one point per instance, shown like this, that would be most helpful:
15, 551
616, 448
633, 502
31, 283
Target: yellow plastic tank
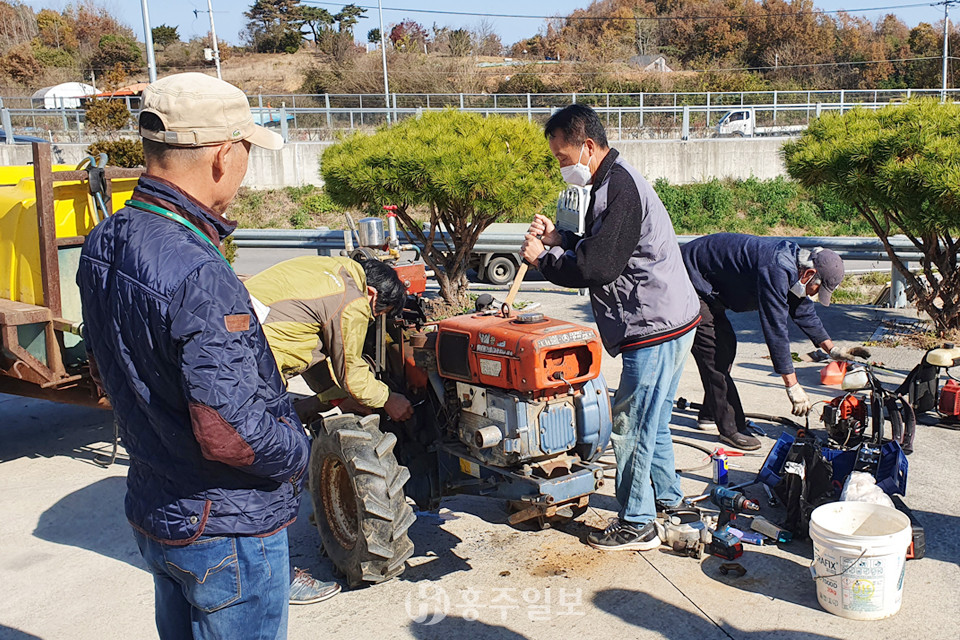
20, 278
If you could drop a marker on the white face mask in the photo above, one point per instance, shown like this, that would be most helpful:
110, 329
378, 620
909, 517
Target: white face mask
577, 174
799, 288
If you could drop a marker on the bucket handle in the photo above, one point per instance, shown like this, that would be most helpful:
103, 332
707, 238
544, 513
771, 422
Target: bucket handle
813, 568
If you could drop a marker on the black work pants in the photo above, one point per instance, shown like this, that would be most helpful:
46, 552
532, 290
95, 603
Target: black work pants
714, 349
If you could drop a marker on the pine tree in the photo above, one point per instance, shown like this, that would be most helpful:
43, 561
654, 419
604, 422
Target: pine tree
465, 170
900, 168
274, 25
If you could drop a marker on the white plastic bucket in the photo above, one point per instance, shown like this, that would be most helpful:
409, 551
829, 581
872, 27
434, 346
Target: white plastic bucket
859, 553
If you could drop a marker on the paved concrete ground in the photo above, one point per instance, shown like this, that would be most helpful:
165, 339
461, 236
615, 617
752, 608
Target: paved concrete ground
70, 568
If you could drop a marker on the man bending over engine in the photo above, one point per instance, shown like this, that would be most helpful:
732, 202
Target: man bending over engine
315, 312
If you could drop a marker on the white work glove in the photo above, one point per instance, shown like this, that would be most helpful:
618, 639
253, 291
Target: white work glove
848, 353
801, 403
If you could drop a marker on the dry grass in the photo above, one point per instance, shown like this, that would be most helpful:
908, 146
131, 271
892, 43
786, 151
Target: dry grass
290, 208
262, 72
306, 207
861, 289
438, 309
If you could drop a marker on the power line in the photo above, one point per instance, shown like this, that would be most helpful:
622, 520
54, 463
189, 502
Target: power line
633, 19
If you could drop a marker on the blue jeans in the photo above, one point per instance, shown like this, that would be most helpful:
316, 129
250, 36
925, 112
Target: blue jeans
229, 587
642, 406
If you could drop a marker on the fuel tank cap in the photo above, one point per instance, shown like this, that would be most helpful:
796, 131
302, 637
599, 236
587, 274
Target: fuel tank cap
530, 318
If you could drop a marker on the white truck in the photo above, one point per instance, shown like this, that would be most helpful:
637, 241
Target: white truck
743, 123
499, 267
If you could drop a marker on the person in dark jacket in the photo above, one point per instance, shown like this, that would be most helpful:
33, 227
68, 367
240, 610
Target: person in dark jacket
644, 306
775, 277
218, 456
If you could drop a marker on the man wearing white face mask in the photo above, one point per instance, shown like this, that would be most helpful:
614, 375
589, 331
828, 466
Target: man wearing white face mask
644, 305
769, 275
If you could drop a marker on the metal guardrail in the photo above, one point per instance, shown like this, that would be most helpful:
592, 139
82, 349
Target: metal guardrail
522, 100
626, 115
847, 247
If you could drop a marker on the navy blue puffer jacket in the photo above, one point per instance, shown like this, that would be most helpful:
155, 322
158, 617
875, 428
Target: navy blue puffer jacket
215, 445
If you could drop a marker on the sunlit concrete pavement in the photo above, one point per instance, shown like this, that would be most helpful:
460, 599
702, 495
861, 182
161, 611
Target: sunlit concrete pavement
70, 568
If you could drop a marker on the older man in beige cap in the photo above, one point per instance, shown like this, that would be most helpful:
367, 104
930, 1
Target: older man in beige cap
218, 456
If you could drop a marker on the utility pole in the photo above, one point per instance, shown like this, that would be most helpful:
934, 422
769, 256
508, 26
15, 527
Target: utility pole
213, 35
946, 48
383, 53
148, 41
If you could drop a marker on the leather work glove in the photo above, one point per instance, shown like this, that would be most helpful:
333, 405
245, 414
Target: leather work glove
848, 353
801, 403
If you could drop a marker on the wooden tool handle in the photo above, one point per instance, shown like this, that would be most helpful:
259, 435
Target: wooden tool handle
515, 287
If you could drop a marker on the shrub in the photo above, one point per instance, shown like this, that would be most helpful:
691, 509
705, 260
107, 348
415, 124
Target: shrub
107, 117
49, 57
299, 219
760, 207
229, 249
120, 153
321, 203
20, 64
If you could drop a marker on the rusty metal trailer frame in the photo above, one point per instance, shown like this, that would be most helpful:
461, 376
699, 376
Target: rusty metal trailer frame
20, 372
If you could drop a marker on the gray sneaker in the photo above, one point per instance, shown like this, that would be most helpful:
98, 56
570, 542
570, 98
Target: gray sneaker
741, 441
625, 536
705, 424
305, 589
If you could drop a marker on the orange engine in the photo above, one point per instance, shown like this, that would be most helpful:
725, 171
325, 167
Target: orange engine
413, 275
526, 353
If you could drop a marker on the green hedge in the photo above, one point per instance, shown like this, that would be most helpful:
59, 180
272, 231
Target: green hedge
778, 207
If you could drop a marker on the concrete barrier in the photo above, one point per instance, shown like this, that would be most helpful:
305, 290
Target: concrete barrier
686, 161
680, 162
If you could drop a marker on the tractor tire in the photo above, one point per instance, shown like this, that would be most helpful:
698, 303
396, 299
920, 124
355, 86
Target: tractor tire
357, 489
500, 270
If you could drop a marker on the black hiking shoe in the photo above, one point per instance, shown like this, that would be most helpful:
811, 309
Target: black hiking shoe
625, 536
741, 441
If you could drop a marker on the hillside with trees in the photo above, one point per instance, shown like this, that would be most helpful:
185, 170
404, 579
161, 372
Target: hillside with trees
719, 45
62, 46
786, 41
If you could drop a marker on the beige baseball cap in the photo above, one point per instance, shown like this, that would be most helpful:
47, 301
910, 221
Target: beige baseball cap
198, 110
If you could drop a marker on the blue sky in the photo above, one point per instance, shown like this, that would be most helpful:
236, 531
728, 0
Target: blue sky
230, 21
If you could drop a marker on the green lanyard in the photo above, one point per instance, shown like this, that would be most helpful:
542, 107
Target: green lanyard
176, 217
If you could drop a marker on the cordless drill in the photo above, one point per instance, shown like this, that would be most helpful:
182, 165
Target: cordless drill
730, 503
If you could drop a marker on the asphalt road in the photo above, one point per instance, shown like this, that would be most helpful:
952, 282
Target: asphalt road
70, 569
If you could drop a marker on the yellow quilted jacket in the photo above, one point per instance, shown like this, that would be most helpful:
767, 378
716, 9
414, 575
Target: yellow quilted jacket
318, 310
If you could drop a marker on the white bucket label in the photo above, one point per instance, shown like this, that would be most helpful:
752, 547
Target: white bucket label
858, 585
859, 552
